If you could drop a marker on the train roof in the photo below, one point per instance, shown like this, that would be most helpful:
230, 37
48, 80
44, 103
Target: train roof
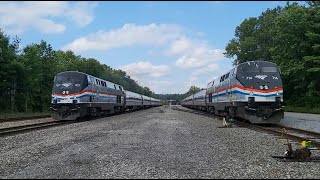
189, 97
132, 94
109, 82
257, 62
73, 72
200, 93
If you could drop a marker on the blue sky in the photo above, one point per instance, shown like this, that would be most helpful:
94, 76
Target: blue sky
166, 46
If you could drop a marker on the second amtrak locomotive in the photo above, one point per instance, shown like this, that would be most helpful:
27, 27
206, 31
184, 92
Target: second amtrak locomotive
252, 90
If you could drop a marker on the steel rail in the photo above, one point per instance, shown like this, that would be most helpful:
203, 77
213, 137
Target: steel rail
30, 127
292, 133
23, 118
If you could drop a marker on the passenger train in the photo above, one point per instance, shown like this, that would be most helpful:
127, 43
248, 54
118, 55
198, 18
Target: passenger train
252, 91
76, 94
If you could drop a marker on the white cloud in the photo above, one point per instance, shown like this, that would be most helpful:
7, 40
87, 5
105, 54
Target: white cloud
207, 71
161, 86
180, 46
143, 68
146, 73
200, 76
127, 35
191, 53
45, 16
194, 54
81, 13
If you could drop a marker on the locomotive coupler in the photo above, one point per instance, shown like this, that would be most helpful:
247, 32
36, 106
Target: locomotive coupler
64, 110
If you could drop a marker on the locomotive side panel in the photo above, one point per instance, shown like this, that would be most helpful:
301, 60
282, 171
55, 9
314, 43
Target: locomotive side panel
133, 100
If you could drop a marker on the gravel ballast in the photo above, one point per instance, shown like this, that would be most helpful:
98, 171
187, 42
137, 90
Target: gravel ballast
153, 143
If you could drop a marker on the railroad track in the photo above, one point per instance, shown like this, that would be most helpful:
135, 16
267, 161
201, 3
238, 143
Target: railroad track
23, 118
294, 134
30, 127
42, 125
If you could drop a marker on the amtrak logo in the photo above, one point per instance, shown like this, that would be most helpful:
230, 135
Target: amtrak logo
66, 84
261, 76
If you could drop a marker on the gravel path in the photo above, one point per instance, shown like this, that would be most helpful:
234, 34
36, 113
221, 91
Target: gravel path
154, 143
310, 122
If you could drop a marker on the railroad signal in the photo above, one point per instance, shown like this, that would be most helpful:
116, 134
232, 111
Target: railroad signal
306, 144
231, 120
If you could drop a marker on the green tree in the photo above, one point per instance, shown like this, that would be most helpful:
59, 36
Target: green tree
312, 58
66, 61
40, 69
253, 38
10, 72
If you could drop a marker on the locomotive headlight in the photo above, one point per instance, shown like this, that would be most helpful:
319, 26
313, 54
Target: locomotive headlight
261, 87
266, 87
278, 93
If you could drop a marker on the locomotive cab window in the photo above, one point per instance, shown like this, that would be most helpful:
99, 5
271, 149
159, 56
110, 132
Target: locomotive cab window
222, 78
269, 69
227, 76
250, 69
69, 81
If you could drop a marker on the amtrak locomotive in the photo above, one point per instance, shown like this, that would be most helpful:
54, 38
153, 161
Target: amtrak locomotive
76, 94
252, 90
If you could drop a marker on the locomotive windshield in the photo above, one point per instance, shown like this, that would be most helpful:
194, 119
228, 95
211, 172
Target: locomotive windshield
259, 74
69, 82
255, 69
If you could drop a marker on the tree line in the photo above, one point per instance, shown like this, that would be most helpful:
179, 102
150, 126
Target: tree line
178, 97
26, 75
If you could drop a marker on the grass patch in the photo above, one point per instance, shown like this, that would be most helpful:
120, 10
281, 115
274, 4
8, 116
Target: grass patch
21, 114
315, 110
